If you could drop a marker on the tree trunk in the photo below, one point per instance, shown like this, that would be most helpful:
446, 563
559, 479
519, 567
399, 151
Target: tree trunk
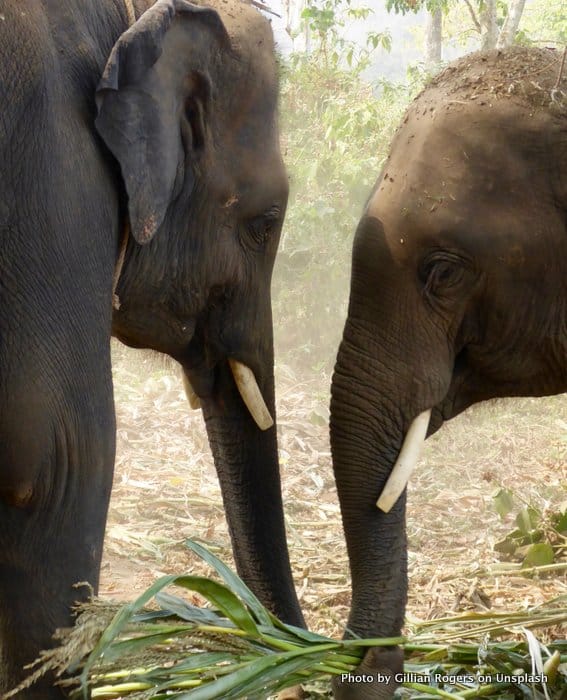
511, 24
489, 25
433, 38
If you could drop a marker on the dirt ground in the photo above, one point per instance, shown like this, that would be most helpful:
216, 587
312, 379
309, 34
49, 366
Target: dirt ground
165, 490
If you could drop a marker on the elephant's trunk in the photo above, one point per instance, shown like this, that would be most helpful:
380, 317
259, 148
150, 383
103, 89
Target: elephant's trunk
367, 432
392, 368
246, 458
376, 400
383, 381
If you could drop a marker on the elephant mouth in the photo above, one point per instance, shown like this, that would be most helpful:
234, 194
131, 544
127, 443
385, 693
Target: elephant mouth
199, 364
248, 389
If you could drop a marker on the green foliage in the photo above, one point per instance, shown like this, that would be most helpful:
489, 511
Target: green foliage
236, 648
544, 22
503, 502
538, 538
326, 18
336, 134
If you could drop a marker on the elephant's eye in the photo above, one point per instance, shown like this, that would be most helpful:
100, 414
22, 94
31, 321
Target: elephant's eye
441, 272
261, 227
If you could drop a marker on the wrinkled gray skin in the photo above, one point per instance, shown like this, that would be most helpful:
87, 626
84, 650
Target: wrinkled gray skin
180, 137
458, 294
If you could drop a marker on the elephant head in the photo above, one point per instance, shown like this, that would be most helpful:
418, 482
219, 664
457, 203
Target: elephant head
187, 106
458, 294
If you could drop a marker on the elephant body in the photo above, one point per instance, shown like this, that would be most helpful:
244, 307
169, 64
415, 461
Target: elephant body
458, 295
161, 138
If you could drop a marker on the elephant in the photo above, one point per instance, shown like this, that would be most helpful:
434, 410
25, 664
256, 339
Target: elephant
458, 295
142, 195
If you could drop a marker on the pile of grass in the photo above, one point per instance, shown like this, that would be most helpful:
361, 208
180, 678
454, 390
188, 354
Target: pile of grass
163, 646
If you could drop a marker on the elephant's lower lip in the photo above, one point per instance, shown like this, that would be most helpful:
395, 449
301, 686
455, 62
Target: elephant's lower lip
437, 419
202, 380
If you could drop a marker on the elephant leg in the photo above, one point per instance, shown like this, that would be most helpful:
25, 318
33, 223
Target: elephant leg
56, 462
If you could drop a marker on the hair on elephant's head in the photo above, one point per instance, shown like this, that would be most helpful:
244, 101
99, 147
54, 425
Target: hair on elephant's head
458, 294
187, 106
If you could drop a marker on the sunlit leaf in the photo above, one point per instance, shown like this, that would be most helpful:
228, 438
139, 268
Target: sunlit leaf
540, 554
503, 502
527, 520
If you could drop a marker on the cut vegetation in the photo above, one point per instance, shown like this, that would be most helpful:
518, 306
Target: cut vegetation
237, 649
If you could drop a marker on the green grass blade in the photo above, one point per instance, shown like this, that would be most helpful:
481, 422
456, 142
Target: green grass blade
122, 617
222, 598
257, 675
299, 633
149, 615
178, 607
233, 581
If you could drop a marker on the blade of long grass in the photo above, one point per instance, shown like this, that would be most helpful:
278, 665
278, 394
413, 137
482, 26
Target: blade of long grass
223, 598
215, 592
233, 581
299, 633
176, 606
257, 675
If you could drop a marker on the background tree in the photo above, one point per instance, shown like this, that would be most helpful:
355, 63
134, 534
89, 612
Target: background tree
488, 25
433, 38
511, 24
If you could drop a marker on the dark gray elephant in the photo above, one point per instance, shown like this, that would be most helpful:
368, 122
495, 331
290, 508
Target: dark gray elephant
458, 294
168, 124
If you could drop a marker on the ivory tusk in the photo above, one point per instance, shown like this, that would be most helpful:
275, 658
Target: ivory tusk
251, 394
194, 400
404, 466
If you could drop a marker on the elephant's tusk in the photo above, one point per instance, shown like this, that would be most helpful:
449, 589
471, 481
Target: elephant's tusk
251, 394
404, 466
194, 400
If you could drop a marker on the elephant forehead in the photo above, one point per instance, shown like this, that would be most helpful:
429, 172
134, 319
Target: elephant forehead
452, 171
250, 181
262, 184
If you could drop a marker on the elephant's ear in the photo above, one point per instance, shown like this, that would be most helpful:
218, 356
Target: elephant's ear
153, 104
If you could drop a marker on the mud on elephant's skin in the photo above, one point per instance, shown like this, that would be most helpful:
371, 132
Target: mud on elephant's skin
170, 124
458, 294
